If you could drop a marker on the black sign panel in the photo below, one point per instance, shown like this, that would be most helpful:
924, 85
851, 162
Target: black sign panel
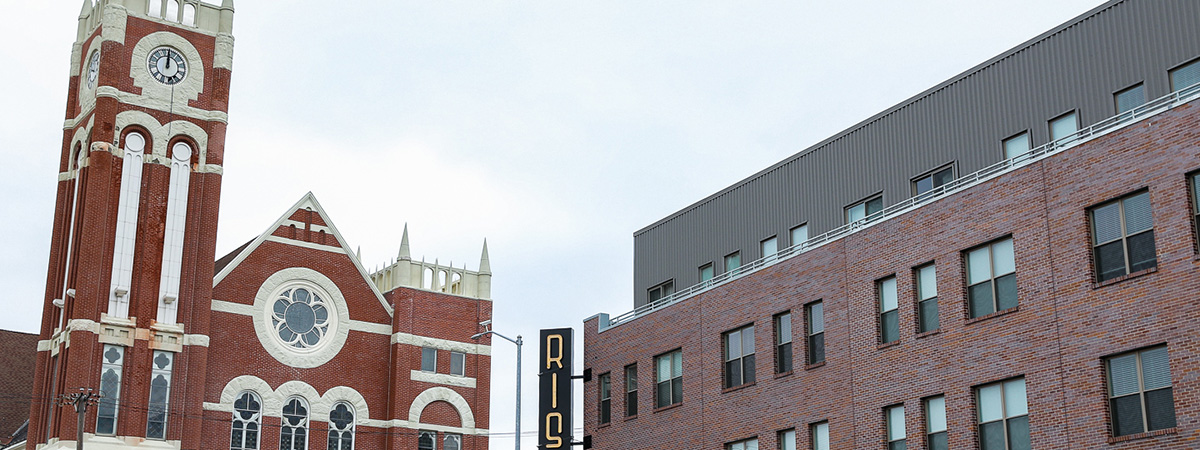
554, 389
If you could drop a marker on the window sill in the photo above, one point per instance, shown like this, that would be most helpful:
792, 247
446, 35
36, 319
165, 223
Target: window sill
887, 345
1002, 312
664, 408
929, 333
814, 365
1133, 437
737, 388
1121, 278
628, 418
604, 425
779, 375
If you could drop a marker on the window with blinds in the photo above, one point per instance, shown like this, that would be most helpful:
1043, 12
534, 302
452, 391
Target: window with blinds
1139, 390
1123, 236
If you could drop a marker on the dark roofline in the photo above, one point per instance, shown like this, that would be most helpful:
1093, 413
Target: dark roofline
887, 112
225, 260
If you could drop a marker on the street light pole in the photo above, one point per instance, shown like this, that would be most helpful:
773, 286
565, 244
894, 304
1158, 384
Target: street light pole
518, 341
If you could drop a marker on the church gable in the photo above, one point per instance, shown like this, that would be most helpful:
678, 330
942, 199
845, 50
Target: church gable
302, 237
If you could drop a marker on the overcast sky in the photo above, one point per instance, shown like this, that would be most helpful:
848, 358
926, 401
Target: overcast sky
554, 129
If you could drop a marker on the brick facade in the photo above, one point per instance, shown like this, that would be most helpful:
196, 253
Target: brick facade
1056, 338
224, 334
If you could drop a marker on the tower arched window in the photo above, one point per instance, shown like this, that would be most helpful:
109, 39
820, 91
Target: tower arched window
155, 8
189, 14
127, 221
172, 10
293, 430
341, 427
247, 421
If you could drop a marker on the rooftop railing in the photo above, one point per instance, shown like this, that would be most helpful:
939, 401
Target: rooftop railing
1101, 128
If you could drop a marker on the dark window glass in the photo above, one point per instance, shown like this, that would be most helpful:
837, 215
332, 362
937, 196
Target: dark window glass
458, 363
816, 332
739, 356
932, 181
991, 278
1003, 415
1140, 393
783, 343
864, 209
927, 299
605, 403
889, 314
1123, 236
669, 376
631, 390
661, 291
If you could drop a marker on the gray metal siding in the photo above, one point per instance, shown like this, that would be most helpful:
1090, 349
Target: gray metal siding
1077, 66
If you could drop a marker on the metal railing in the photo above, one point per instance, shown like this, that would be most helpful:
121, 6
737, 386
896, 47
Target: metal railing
1101, 128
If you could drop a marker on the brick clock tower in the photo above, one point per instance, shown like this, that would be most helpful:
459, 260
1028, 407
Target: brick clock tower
130, 272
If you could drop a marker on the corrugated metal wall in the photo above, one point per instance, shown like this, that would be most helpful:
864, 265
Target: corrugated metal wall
1077, 66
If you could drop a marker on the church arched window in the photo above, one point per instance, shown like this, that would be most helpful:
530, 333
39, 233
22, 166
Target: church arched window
247, 420
160, 394
341, 427
293, 430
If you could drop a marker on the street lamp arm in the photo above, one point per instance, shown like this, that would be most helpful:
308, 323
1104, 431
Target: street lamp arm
485, 333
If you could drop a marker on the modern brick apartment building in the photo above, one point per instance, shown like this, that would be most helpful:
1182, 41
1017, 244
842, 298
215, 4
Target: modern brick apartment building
1006, 261
287, 342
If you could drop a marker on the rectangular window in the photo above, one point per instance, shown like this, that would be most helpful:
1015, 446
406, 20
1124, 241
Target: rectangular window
112, 369
1123, 236
631, 390
706, 272
669, 371
820, 435
927, 298
605, 403
1063, 126
783, 342
748, 444
1016, 146
661, 291
428, 359
935, 179
739, 357
1184, 76
786, 440
889, 314
864, 209
1195, 184
799, 234
458, 364
426, 440
896, 436
1130, 98
160, 394
1139, 391
991, 278
935, 424
816, 332
1003, 416
769, 247
733, 261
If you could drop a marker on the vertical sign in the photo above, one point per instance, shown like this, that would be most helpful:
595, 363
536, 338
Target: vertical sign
554, 389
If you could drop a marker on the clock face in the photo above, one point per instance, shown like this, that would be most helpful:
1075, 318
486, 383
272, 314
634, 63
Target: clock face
93, 69
167, 65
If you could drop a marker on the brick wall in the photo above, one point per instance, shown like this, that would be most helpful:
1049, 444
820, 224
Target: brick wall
1056, 338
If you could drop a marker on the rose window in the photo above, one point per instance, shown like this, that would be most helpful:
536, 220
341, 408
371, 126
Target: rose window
300, 317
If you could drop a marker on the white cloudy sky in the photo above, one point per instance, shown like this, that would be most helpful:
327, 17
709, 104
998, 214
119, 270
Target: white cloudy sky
552, 128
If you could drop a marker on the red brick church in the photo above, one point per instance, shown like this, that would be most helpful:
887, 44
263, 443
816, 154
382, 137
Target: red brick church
287, 342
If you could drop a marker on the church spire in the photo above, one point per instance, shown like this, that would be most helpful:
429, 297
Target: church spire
485, 266
405, 253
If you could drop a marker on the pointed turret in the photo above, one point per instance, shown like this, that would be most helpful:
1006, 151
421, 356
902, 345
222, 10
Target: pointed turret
405, 253
485, 266
87, 9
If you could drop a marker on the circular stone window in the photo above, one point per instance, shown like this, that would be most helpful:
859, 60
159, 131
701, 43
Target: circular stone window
300, 317
303, 321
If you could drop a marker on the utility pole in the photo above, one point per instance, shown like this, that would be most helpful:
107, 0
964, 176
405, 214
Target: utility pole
80, 400
519, 342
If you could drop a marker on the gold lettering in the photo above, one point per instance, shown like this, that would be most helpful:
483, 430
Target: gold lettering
550, 358
557, 441
554, 390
